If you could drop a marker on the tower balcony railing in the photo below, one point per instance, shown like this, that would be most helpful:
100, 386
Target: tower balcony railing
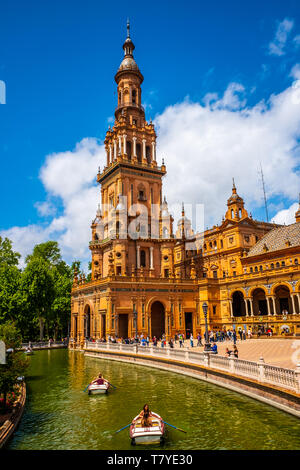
130, 105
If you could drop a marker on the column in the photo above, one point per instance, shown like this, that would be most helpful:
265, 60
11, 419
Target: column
293, 303
274, 305
120, 145
110, 153
251, 307
298, 297
108, 156
151, 257
153, 151
246, 305
138, 257
134, 146
268, 305
144, 148
124, 144
115, 149
231, 309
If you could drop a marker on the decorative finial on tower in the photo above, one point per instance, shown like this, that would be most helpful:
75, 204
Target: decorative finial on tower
233, 186
182, 210
128, 28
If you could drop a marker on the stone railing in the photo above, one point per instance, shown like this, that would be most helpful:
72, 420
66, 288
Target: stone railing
264, 373
45, 345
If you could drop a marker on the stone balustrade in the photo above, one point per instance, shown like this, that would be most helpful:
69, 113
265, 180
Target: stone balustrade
261, 372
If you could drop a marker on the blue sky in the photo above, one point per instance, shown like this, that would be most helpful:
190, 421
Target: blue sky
58, 60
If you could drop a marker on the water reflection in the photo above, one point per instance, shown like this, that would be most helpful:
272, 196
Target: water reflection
59, 415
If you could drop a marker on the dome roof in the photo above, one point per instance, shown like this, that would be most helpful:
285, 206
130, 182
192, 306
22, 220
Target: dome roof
128, 63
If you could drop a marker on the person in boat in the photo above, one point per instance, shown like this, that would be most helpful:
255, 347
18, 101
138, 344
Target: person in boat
145, 416
99, 380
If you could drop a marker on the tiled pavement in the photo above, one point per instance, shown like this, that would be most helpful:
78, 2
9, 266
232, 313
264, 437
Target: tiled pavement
279, 352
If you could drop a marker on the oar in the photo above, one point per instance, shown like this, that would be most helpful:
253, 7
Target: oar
111, 385
178, 429
86, 387
124, 427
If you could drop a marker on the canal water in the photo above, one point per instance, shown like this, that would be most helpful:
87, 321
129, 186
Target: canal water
59, 415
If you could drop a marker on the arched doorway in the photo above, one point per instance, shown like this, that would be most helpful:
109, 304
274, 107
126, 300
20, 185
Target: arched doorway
87, 322
157, 319
259, 302
283, 300
238, 304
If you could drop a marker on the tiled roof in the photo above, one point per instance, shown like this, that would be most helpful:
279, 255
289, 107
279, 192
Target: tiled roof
277, 239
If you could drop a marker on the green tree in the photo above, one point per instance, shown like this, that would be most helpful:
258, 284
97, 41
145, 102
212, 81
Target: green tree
7, 255
38, 283
16, 362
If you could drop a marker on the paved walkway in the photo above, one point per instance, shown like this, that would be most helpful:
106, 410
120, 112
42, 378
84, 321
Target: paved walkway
279, 352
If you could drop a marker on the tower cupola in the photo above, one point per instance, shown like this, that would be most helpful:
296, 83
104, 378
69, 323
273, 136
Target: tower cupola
235, 204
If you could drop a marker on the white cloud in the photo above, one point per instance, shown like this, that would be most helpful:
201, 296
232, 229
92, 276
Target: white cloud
297, 40
286, 216
276, 47
45, 209
204, 146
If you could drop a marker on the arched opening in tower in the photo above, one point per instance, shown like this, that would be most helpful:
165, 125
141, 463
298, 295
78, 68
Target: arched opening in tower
259, 302
157, 319
139, 152
238, 304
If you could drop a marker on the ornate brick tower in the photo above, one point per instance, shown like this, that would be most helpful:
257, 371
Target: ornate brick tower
132, 224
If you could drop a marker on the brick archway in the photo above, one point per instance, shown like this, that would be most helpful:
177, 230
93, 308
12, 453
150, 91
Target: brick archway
157, 319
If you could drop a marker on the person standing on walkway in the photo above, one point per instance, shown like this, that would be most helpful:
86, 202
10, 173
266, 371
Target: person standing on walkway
199, 342
192, 341
235, 351
234, 336
180, 341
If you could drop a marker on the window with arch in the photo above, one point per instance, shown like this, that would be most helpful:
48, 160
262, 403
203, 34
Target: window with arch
256, 269
272, 266
296, 261
282, 263
251, 270
148, 154
143, 258
133, 96
277, 265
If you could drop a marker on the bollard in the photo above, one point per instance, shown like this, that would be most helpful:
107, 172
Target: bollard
232, 364
206, 358
261, 369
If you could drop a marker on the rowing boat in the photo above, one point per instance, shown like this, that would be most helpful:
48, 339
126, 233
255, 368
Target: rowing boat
152, 435
96, 389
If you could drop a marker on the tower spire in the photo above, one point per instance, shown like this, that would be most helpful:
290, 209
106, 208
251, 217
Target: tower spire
233, 186
128, 28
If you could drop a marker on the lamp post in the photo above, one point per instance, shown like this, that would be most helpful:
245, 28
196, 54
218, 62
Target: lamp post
207, 343
135, 322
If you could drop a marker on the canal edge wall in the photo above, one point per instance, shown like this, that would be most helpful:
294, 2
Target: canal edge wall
10, 425
275, 396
